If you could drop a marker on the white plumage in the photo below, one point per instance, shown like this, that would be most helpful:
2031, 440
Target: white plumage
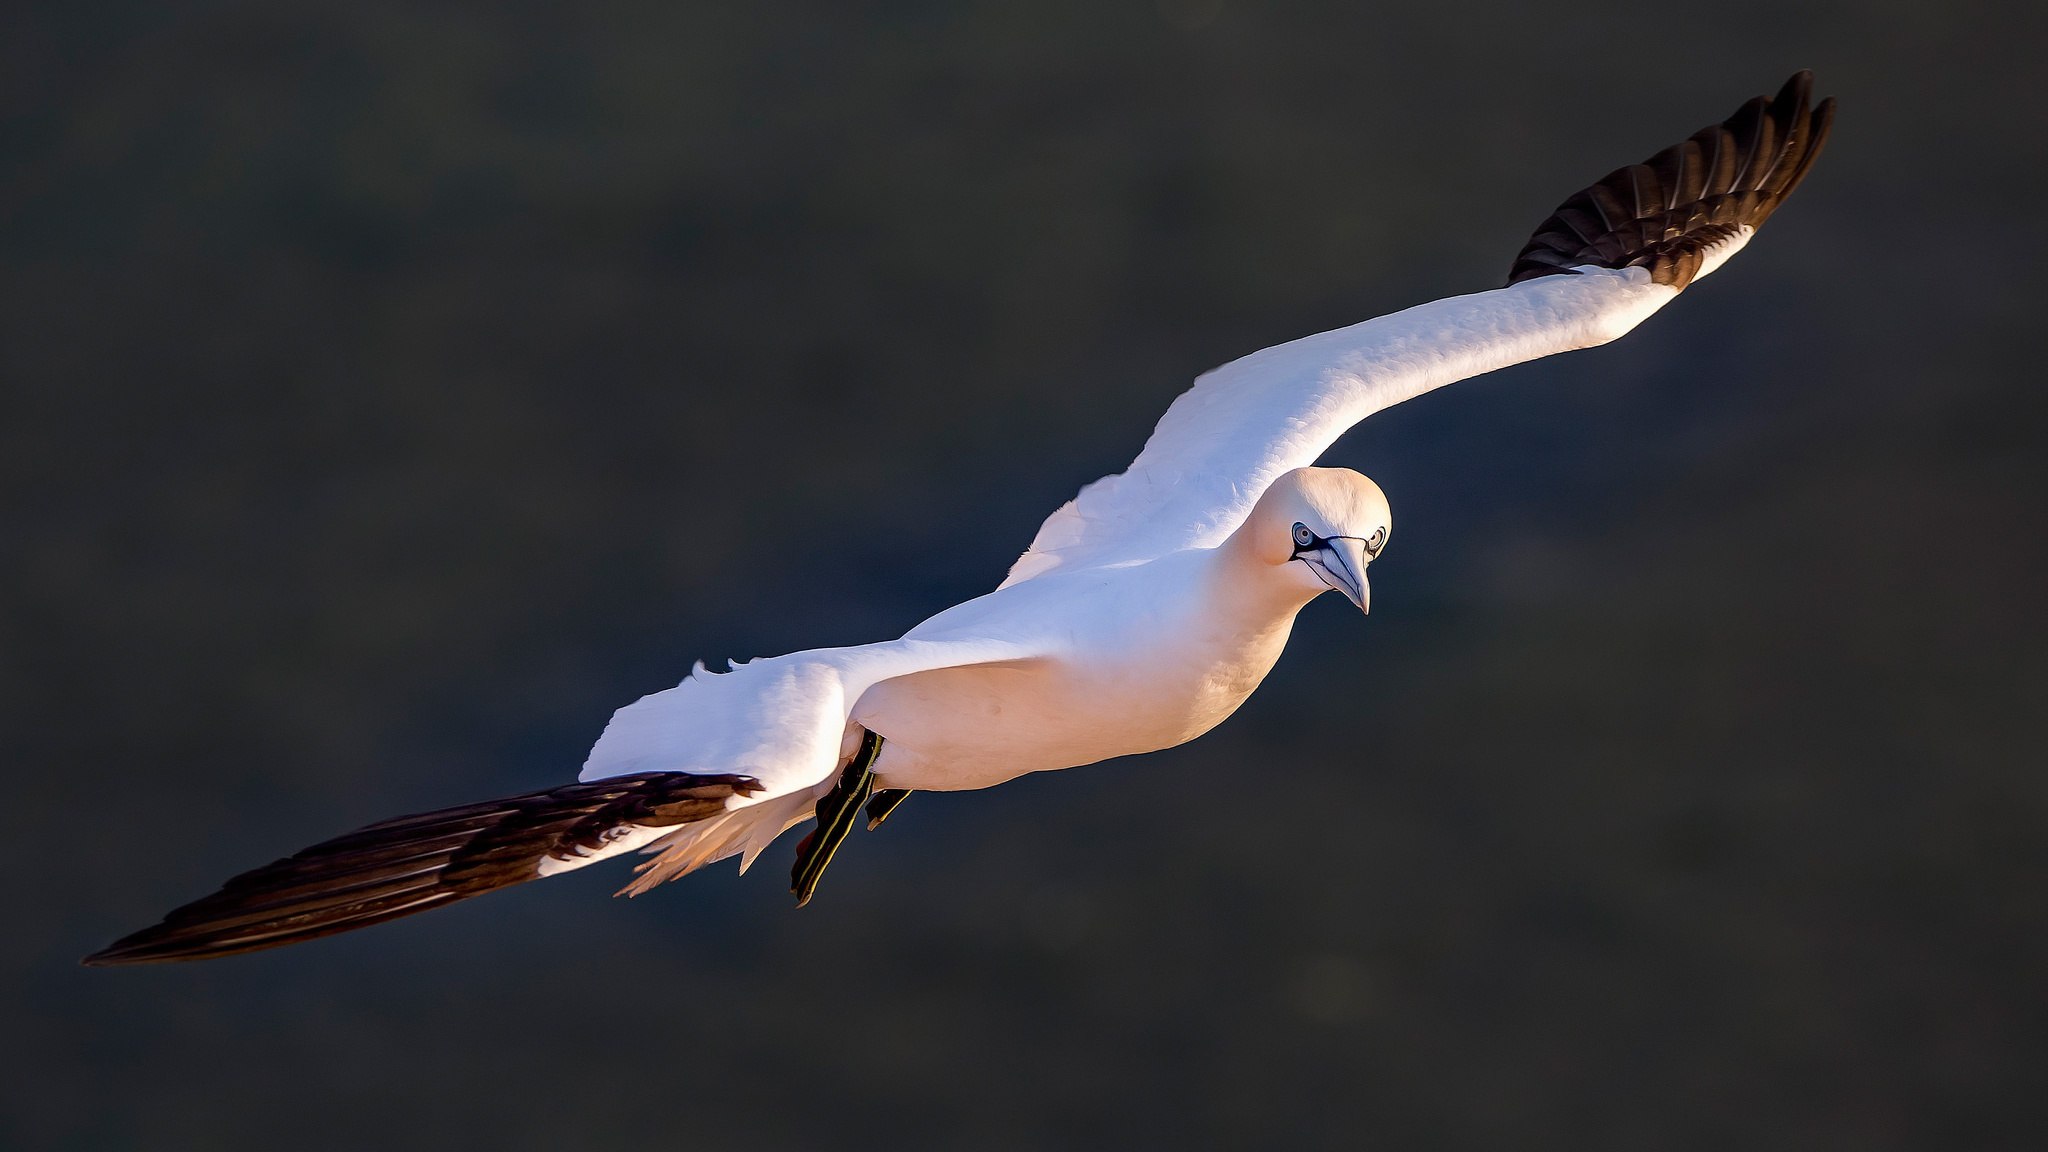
1144, 612
1106, 612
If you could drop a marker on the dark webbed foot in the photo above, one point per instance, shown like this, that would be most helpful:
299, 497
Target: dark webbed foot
836, 810
884, 802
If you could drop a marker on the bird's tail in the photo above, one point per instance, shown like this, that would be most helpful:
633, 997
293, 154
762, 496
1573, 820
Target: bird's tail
418, 862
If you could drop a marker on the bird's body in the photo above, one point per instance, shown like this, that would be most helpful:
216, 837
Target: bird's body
1128, 674
1134, 659
1144, 613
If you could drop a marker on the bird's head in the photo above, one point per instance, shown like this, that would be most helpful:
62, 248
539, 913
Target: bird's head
1321, 527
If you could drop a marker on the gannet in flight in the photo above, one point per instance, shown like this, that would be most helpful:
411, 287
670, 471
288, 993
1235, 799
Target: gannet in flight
1146, 610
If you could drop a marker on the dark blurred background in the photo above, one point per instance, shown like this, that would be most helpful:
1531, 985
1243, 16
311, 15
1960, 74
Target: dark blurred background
391, 391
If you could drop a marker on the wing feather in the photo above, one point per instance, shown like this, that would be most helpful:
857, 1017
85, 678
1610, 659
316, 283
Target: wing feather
780, 720
786, 718
414, 863
1607, 258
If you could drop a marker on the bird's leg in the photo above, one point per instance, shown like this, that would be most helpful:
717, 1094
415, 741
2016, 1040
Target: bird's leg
836, 810
884, 802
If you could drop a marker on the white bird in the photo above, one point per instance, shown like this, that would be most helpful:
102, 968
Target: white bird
1144, 613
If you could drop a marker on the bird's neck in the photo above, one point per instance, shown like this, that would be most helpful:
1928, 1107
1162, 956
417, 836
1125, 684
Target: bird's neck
1254, 587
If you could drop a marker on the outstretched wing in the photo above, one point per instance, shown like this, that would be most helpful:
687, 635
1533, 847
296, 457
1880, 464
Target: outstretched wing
663, 778
1607, 258
419, 862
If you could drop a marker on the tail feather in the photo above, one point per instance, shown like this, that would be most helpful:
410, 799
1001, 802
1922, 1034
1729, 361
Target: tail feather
413, 863
742, 832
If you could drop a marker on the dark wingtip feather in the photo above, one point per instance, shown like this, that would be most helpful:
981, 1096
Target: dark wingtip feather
1664, 214
414, 863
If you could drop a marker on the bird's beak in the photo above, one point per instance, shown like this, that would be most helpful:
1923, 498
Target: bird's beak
1341, 563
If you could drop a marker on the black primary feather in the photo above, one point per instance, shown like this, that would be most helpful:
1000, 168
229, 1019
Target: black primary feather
414, 863
1665, 213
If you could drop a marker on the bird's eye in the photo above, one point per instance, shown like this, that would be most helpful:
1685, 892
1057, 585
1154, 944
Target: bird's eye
1378, 541
1302, 536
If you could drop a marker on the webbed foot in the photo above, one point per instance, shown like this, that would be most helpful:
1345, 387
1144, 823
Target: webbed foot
836, 811
884, 801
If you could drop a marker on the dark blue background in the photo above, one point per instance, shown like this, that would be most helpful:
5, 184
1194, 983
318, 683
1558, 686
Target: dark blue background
391, 391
